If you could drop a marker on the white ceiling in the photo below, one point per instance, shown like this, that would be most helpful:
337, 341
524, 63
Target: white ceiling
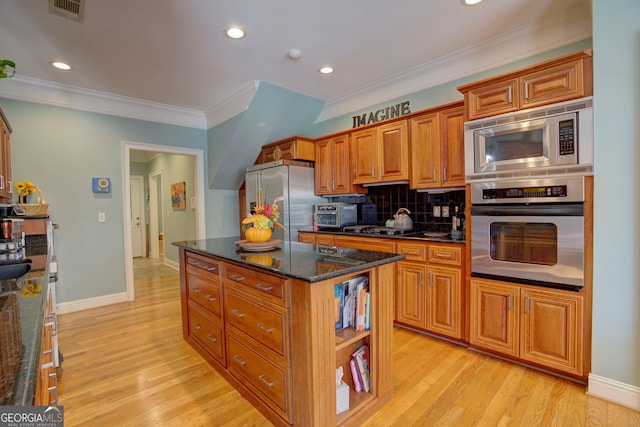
174, 53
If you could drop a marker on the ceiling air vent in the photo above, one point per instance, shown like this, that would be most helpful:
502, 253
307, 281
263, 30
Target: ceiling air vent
72, 9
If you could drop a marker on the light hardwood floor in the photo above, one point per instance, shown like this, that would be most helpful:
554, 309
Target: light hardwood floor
127, 365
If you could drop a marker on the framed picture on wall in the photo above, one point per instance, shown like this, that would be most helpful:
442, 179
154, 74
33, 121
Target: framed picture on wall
178, 195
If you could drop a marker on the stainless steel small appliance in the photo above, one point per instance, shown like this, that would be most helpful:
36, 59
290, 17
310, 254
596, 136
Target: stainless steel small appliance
554, 139
335, 215
529, 231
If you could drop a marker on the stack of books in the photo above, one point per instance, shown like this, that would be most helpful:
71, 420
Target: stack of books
352, 300
361, 369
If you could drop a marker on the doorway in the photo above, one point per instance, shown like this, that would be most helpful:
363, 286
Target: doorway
138, 234
127, 148
156, 223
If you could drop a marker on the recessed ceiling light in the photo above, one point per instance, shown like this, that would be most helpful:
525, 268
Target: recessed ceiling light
61, 66
234, 32
326, 70
470, 2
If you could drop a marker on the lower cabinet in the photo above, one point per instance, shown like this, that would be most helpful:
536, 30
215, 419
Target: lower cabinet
46, 393
541, 326
429, 296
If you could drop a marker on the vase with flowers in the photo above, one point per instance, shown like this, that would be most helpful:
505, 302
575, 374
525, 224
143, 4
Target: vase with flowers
258, 226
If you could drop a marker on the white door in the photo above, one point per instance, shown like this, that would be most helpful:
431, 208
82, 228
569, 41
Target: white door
155, 213
137, 216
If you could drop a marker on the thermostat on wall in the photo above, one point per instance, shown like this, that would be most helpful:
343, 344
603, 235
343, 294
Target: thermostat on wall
101, 185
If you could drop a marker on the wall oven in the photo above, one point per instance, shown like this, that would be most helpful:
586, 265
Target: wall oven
540, 141
529, 231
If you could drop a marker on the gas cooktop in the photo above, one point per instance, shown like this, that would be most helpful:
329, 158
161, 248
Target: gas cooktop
374, 229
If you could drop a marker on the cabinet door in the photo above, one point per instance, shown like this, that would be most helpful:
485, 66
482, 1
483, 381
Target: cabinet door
324, 240
494, 316
364, 156
444, 301
324, 167
411, 296
493, 99
560, 83
552, 329
342, 168
452, 146
307, 238
393, 151
425, 151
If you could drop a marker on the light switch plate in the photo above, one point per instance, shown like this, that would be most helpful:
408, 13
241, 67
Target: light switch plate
445, 211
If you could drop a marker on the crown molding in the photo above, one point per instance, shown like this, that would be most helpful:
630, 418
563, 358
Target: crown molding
484, 56
232, 106
45, 92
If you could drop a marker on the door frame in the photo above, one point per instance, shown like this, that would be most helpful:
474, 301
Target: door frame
127, 146
155, 205
139, 181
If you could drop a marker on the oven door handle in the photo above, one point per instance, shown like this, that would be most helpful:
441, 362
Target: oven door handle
542, 209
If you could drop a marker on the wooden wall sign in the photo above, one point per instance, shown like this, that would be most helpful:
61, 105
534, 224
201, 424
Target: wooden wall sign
385, 113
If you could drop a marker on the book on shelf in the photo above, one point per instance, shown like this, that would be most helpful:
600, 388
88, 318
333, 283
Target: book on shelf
339, 296
361, 297
357, 381
362, 364
352, 297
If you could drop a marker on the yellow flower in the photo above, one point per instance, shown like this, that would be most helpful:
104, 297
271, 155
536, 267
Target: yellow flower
25, 188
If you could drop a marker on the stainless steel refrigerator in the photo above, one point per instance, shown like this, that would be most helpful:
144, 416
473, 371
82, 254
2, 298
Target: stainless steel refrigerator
295, 184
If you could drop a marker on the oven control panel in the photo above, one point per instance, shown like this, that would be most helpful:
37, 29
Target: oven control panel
525, 192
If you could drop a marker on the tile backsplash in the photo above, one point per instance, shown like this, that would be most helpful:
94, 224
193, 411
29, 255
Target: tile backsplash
424, 207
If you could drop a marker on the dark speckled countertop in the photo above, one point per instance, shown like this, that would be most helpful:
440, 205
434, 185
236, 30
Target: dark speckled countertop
410, 235
303, 261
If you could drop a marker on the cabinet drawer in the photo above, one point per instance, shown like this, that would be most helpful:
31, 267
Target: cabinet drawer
449, 255
269, 382
413, 251
206, 332
264, 286
268, 327
204, 293
198, 264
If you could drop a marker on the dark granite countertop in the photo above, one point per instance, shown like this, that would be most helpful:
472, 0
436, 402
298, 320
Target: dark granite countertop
30, 290
422, 236
303, 261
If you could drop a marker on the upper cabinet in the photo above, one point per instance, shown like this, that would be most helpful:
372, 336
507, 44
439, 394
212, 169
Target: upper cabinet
380, 153
5, 159
294, 148
332, 172
437, 148
560, 79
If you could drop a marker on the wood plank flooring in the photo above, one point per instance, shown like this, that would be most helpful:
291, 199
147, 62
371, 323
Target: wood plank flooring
127, 365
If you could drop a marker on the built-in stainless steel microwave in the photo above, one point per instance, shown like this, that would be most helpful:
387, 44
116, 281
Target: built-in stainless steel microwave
547, 140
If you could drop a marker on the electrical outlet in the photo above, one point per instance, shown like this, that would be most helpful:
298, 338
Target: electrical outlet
436, 211
445, 211
102, 217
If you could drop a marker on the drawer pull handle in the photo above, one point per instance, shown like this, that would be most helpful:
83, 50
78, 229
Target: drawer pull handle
443, 255
236, 313
239, 360
196, 326
410, 252
211, 338
263, 378
210, 298
264, 288
211, 268
236, 278
267, 330
195, 290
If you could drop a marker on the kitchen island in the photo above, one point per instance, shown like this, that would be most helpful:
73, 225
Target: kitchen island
268, 322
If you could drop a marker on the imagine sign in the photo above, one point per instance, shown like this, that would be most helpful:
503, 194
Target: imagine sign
382, 114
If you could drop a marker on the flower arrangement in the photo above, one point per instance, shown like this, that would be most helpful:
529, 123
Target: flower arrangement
24, 189
265, 217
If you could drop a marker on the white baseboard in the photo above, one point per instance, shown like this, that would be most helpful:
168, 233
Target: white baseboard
172, 264
614, 391
68, 307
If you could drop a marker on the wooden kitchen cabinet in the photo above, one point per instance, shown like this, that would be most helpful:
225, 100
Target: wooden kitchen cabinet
6, 192
203, 324
365, 243
560, 79
380, 153
46, 392
429, 296
332, 167
294, 148
437, 148
538, 325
